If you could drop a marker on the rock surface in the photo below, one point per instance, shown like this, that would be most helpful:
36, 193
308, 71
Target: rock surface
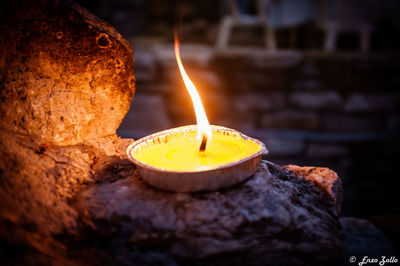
87, 205
323, 178
362, 238
65, 76
276, 217
37, 182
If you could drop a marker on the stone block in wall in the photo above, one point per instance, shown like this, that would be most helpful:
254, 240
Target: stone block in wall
282, 146
322, 100
145, 66
307, 77
191, 55
359, 72
205, 81
215, 100
252, 81
351, 123
229, 62
216, 105
310, 69
173, 77
393, 123
247, 69
368, 102
261, 80
243, 123
262, 59
306, 120
307, 84
147, 114
162, 89
326, 150
259, 102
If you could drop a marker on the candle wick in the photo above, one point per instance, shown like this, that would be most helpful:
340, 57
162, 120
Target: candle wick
203, 143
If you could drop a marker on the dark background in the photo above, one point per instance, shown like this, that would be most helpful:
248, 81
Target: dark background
336, 108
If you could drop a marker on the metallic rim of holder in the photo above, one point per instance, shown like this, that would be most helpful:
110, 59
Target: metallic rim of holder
187, 181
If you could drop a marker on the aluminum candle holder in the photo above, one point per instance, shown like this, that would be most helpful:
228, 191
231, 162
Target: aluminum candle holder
201, 180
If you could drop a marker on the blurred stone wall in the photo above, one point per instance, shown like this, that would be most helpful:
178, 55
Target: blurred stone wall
337, 110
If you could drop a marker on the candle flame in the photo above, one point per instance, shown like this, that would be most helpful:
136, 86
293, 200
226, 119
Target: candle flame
203, 126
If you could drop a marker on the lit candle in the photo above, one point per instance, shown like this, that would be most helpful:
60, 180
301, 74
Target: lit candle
180, 152
194, 158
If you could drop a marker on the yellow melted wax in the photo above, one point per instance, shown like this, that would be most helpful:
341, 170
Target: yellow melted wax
181, 152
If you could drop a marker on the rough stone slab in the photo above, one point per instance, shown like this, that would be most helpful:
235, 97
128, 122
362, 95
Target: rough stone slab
37, 182
274, 218
66, 76
116, 218
324, 178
